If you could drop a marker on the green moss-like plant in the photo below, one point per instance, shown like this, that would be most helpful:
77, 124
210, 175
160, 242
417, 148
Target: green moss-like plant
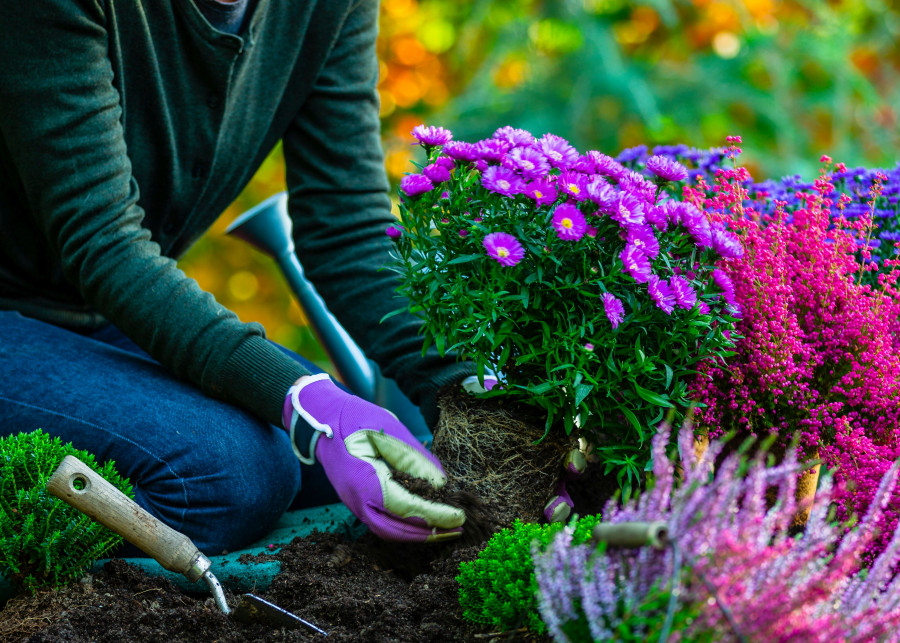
498, 589
43, 541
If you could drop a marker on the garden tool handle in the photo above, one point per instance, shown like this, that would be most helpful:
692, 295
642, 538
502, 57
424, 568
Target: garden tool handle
77, 484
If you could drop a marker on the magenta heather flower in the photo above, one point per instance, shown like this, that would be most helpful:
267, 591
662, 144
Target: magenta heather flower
558, 151
394, 231
569, 223
661, 294
461, 151
436, 173
542, 192
614, 309
504, 247
666, 169
514, 137
642, 237
492, 149
528, 161
502, 180
415, 184
574, 184
627, 210
432, 135
636, 264
685, 295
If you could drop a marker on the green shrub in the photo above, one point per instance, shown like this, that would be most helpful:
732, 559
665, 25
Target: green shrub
498, 589
43, 541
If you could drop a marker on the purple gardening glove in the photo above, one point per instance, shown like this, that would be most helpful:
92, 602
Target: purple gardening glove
560, 505
358, 443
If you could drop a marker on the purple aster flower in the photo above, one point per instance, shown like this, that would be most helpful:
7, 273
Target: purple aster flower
431, 135
461, 151
726, 244
638, 186
685, 296
415, 184
703, 307
502, 180
481, 165
602, 193
394, 231
697, 224
585, 164
569, 223
632, 154
541, 191
515, 137
437, 173
504, 247
614, 309
635, 263
574, 184
723, 281
661, 294
445, 161
558, 151
492, 149
666, 169
528, 161
641, 236
657, 215
627, 210
607, 165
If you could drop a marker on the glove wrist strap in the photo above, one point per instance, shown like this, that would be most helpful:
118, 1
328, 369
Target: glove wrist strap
310, 430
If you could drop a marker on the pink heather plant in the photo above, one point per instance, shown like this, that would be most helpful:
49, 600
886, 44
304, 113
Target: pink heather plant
820, 354
735, 565
530, 252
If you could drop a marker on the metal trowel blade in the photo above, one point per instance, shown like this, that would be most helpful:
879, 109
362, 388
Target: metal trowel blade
253, 609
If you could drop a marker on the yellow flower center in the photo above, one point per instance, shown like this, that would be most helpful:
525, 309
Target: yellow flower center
566, 223
502, 253
574, 189
528, 165
538, 194
503, 184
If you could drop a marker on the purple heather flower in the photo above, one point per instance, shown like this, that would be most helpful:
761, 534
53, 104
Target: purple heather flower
515, 137
641, 236
685, 296
723, 281
394, 231
635, 263
614, 309
627, 210
558, 151
666, 169
461, 151
492, 149
504, 247
569, 223
661, 294
543, 192
574, 184
437, 173
415, 184
726, 244
502, 180
528, 161
432, 135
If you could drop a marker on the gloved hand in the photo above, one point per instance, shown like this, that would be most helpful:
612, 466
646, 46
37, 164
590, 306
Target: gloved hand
358, 443
560, 505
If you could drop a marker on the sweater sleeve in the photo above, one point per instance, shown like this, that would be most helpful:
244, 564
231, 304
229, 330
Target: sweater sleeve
338, 200
60, 118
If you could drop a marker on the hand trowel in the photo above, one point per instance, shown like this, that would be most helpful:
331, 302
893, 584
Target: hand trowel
80, 486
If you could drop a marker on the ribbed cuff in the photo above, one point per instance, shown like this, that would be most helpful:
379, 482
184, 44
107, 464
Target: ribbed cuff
257, 376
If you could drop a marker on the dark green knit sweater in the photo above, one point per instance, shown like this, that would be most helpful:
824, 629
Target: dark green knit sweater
129, 125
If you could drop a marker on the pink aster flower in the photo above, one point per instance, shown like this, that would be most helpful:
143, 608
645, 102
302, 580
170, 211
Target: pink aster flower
528, 161
574, 184
685, 296
431, 135
635, 263
614, 309
515, 137
666, 169
541, 191
642, 237
504, 247
569, 223
394, 231
415, 184
558, 151
661, 294
502, 180
627, 210
437, 173
461, 151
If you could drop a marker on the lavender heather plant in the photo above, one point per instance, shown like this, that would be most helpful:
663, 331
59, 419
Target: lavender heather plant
589, 291
734, 559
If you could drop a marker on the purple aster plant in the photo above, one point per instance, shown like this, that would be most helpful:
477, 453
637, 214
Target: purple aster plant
515, 137
569, 223
573, 184
666, 169
415, 184
461, 151
541, 192
558, 151
432, 135
642, 237
661, 294
502, 180
436, 173
504, 248
492, 150
614, 309
607, 165
627, 210
685, 295
528, 162
636, 264
726, 244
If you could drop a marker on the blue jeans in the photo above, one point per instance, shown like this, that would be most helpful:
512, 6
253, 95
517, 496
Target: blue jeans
206, 468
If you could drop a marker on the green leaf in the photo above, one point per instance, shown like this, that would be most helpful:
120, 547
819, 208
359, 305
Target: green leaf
668, 376
631, 417
463, 259
653, 398
581, 392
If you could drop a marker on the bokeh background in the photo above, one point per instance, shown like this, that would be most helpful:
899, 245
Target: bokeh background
796, 79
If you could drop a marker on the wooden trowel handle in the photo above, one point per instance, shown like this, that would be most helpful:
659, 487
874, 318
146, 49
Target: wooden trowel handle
80, 486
